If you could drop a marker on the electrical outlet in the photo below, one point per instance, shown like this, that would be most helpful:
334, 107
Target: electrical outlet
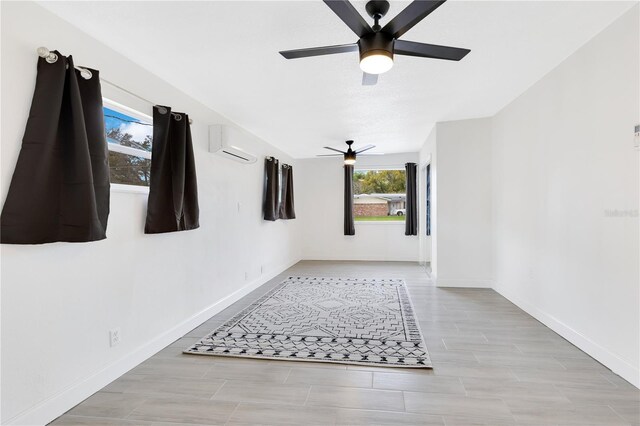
114, 337
262, 269
246, 276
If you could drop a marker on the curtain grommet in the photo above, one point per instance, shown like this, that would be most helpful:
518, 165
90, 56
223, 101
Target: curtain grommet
85, 73
161, 110
51, 58
177, 117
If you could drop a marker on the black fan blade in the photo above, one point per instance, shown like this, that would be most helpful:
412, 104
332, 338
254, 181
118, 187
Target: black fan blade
365, 148
369, 79
333, 149
330, 155
318, 51
424, 50
349, 16
410, 15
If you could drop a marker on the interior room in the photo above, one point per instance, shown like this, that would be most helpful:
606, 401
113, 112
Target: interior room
321, 212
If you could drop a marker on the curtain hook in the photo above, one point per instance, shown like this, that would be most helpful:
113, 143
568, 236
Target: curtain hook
48, 55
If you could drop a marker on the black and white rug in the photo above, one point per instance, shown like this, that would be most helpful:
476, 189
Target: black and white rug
339, 320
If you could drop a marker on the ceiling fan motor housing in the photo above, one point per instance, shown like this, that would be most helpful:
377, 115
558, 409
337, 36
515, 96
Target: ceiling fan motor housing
376, 44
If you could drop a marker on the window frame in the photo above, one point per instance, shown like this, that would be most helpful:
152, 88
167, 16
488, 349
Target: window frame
381, 222
123, 109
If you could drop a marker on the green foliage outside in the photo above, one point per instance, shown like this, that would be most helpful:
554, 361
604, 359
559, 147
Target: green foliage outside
379, 182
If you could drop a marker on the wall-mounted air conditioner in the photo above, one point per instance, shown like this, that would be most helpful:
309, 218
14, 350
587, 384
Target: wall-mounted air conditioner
226, 141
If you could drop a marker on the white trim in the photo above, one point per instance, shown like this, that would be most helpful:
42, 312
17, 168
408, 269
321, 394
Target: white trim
379, 222
463, 283
375, 258
425, 163
56, 405
374, 168
614, 362
131, 189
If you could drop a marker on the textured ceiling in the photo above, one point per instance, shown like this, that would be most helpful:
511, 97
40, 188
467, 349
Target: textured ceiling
225, 54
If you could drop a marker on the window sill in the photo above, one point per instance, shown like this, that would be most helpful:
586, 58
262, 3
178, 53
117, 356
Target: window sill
380, 222
131, 189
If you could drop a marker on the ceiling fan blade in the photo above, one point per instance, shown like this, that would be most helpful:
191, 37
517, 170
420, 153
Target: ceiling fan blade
349, 16
410, 16
365, 148
333, 149
318, 51
369, 79
371, 154
329, 155
424, 50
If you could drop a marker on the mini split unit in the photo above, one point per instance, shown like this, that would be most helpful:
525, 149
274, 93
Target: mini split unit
226, 141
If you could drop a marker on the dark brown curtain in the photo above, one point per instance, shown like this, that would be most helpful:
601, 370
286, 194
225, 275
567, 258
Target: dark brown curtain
173, 189
411, 219
60, 186
349, 226
287, 209
270, 198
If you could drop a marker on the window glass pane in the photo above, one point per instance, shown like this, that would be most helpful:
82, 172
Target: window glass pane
129, 140
379, 195
129, 169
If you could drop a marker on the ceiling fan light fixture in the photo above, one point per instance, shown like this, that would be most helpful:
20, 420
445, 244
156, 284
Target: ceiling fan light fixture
376, 53
377, 62
350, 158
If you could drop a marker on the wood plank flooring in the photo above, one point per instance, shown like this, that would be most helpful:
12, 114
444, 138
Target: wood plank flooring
493, 365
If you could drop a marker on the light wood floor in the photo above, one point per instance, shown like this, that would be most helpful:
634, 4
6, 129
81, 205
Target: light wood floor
493, 365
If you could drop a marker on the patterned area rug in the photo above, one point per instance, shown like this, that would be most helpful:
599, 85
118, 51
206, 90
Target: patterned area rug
339, 320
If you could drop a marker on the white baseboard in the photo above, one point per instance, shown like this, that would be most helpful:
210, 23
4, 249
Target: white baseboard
463, 283
58, 404
612, 361
361, 258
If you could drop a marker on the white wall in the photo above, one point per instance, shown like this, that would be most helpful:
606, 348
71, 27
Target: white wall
563, 156
320, 204
59, 300
464, 219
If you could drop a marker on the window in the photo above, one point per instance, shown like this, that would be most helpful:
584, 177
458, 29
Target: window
379, 195
129, 138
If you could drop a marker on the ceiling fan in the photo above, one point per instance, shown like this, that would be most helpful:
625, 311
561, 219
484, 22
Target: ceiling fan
377, 44
349, 154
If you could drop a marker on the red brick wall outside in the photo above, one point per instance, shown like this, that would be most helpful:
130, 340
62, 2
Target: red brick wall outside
370, 209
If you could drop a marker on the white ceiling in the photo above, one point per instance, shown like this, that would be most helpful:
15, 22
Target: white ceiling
225, 54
